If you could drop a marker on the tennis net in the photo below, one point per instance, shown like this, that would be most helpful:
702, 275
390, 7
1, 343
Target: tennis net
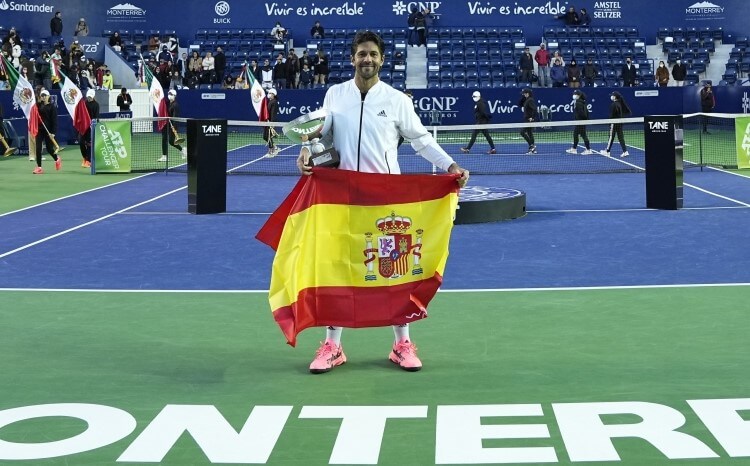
248, 152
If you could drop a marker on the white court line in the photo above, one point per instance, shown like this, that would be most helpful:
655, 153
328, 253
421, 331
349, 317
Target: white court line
468, 290
75, 194
6, 254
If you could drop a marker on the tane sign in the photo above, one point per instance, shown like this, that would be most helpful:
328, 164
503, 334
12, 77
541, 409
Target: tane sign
462, 433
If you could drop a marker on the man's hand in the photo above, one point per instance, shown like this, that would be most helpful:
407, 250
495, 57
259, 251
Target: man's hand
454, 168
304, 157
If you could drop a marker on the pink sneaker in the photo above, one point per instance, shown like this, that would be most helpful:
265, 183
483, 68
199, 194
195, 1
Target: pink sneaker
327, 357
38, 171
58, 163
405, 355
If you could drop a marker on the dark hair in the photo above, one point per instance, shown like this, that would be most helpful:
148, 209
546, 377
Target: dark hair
580, 94
367, 36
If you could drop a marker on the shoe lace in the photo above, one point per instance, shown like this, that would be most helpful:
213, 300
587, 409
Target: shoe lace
324, 350
406, 347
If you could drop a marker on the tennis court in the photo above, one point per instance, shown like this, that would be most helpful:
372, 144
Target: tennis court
590, 330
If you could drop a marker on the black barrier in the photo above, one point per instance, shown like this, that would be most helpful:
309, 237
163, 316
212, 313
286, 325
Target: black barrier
664, 171
207, 165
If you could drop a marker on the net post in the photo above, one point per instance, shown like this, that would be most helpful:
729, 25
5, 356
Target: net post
207, 165
663, 136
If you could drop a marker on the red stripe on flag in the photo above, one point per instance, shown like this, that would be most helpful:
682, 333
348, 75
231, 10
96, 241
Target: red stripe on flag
82, 121
375, 306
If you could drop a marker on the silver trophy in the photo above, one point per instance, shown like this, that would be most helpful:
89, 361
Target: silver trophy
307, 131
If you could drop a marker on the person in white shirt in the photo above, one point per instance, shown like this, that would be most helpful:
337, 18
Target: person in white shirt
208, 69
367, 142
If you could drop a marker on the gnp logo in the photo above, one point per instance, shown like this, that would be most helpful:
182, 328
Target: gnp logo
704, 10
126, 9
222, 9
27, 7
401, 8
436, 108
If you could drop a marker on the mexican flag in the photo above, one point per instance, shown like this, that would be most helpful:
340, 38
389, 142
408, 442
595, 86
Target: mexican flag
156, 92
76, 105
257, 94
23, 95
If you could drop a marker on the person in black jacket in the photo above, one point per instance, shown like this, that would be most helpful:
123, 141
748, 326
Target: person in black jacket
528, 107
84, 142
56, 27
708, 102
124, 101
168, 132
482, 116
628, 73
580, 112
617, 109
268, 131
679, 72
46, 133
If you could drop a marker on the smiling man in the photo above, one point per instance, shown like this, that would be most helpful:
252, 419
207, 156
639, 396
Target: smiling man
368, 117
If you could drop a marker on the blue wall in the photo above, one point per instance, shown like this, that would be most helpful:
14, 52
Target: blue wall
185, 16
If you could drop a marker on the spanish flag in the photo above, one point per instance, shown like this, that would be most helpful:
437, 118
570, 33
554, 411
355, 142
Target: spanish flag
358, 249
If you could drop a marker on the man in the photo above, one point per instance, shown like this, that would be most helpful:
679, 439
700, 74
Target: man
528, 107
266, 74
590, 72
708, 102
168, 132
526, 66
164, 55
628, 73
482, 116
46, 133
220, 63
679, 72
56, 27
317, 31
368, 142
571, 17
279, 72
124, 101
268, 132
92, 106
541, 57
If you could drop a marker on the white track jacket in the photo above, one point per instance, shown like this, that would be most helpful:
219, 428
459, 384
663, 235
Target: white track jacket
365, 133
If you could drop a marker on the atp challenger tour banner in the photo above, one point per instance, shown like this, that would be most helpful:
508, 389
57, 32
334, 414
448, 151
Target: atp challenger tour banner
742, 128
32, 17
112, 151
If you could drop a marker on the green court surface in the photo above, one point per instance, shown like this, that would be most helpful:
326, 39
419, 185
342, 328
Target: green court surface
20, 188
139, 352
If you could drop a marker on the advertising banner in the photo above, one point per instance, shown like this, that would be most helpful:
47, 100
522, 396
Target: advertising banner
112, 150
742, 131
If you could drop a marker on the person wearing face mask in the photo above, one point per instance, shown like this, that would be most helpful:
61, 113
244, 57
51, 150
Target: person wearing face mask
580, 112
528, 107
662, 75
482, 116
590, 72
679, 71
617, 109
268, 132
628, 73
168, 132
574, 75
46, 132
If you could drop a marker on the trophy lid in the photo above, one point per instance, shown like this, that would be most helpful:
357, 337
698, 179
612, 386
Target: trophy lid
312, 125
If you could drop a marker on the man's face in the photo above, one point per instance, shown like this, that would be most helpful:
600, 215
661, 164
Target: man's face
367, 60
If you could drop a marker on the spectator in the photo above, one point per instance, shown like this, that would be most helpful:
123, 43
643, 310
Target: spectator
558, 74
305, 77
154, 44
585, 19
556, 56
526, 66
208, 73
115, 41
124, 101
174, 47
41, 70
662, 75
420, 23
317, 31
240, 82
574, 75
482, 116
181, 65
85, 82
84, 142
56, 27
228, 82
708, 102
542, 59
590, 72
220, 63
321, 68
628, 73
176, 81
411, 34
164, 55
278, 32
195, 65
12, 36
305, 58
16, 55
679, 72
293, 69
82, 29
266, 75
255, 71
108, 81
571, 17
279, 72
